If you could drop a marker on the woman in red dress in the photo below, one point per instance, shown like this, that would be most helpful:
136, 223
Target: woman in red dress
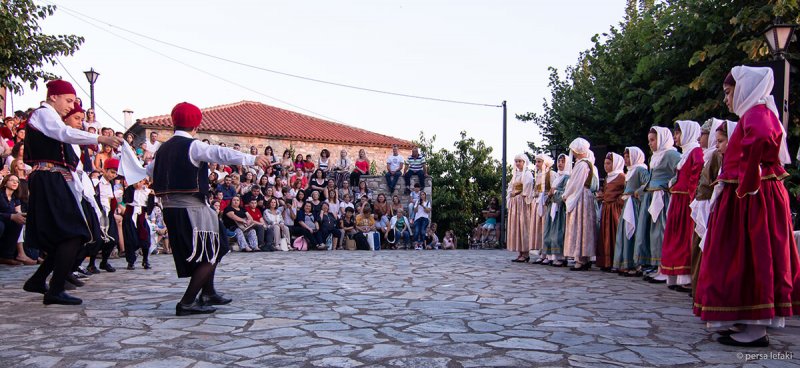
750, 272
676, 257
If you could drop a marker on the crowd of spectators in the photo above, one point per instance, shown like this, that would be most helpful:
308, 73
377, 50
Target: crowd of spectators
299, 202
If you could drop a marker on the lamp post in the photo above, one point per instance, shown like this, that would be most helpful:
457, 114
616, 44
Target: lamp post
91, 76
778, 36
502, 236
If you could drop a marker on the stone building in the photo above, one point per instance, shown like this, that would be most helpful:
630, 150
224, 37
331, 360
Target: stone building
256, 124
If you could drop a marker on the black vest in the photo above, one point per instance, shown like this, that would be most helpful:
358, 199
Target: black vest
175, 173
41, 148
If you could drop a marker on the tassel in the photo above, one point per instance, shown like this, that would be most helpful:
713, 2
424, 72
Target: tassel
194, 245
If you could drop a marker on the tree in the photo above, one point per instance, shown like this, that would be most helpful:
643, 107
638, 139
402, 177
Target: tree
25, 49
666, 62
464, 180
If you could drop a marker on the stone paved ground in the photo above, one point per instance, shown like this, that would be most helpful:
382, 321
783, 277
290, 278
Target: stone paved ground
362, 309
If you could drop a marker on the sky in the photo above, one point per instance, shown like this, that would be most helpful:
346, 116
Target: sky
467, 50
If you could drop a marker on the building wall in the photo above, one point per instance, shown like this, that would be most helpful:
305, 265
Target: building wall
377, 154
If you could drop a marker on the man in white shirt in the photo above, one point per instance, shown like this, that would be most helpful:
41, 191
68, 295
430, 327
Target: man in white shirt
180, 180
394, 167
60, 233
152, 144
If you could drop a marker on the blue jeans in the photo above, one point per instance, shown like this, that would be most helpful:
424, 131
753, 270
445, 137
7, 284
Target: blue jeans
405, 237
391, 180
420, 228
420, 175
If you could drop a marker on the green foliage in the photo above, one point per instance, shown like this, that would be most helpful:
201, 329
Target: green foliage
24, 49
463, 179
373, 168
666, 62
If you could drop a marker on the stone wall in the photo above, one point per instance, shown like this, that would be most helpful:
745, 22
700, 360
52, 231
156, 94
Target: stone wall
377, 184
374, 153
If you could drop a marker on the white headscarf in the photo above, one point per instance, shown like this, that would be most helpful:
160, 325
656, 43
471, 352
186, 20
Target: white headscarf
561, 174
664, 144
690, 134
567, 164
730, 128
709, 150
581, 146
753, 87
547, 161
618, 164
636, 156
523, 157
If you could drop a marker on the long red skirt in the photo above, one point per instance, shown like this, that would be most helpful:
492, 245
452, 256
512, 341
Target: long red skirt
676, 254
750, 268
609, 222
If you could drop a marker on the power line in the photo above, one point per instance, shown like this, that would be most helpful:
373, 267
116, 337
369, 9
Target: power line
87, 93
202, 70
280, 72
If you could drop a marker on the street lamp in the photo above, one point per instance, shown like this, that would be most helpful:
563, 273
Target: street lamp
778, 37
91, 76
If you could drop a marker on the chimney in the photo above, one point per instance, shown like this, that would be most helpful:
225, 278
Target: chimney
128, 117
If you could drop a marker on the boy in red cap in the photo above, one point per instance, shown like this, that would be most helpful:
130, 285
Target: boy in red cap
54, 224
180, 179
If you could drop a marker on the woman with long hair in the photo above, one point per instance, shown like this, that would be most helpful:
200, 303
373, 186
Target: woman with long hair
361, 168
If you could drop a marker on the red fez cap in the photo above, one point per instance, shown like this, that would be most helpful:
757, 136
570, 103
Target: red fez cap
111, 163
75, 109
59, 87
186, 116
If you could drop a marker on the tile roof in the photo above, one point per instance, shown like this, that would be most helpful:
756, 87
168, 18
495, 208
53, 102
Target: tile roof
257, 119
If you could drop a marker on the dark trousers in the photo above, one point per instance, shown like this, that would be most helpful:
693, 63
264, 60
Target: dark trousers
9, 235
355, 178
420, 176
312, 238
391, 180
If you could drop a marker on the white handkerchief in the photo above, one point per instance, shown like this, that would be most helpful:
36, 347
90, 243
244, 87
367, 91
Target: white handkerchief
656, 205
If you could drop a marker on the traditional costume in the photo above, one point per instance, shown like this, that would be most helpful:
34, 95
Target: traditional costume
581, 225
519, 188
701, 206
750, 271
635, 181
611, 211
180, 181
538, 213
55, 223
655, 200
676, 260
556, 219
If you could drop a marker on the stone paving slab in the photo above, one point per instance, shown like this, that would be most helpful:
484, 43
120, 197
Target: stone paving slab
370, 309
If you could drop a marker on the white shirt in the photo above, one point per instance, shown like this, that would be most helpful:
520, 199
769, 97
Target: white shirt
276, 219
152, 147
200, 152
421, 211
48, 122
395, 162
106, 193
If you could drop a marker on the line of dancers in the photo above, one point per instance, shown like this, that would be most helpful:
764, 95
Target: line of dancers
711, 219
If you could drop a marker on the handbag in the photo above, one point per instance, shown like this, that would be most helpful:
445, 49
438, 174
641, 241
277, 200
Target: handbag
349, 243
283, 245
300, 243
